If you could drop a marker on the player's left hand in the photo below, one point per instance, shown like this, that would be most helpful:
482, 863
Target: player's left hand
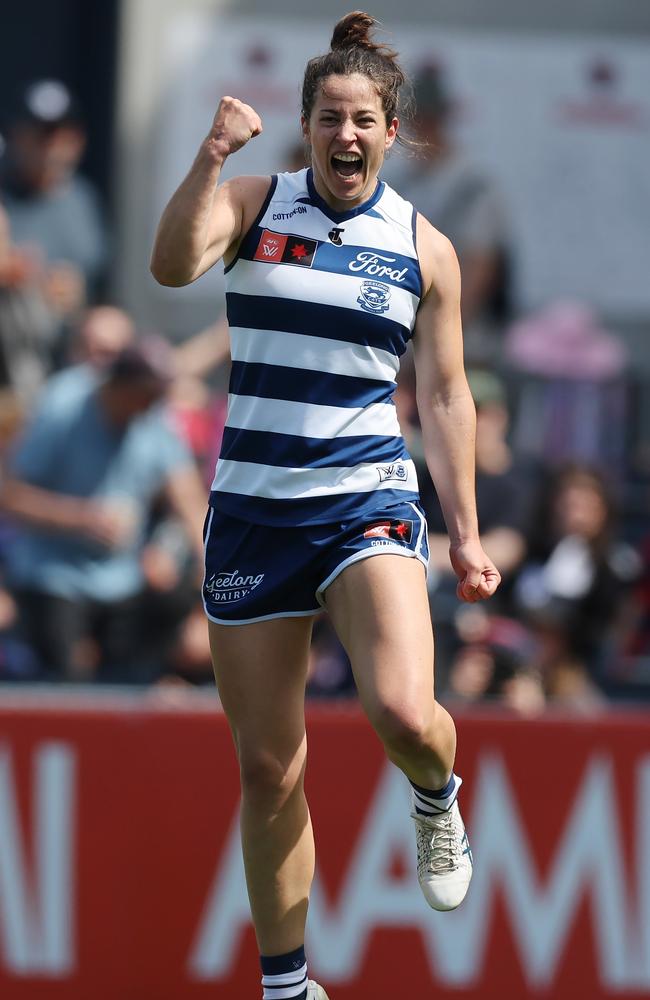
478, 577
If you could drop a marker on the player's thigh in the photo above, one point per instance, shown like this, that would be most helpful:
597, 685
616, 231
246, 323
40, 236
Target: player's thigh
380, 610
261, 673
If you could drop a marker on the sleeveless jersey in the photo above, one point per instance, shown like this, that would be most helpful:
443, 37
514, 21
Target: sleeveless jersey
321, 306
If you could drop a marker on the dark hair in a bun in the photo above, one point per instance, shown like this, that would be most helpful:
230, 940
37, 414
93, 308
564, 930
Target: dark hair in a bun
353, 51
354, 29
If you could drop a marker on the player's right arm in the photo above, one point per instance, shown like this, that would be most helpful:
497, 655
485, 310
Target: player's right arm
203, 221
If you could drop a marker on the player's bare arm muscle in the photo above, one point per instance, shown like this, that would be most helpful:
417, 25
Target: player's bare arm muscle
204, 222
446, 410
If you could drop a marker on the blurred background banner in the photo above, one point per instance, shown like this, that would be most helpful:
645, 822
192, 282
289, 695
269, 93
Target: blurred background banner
121, 876
562, 124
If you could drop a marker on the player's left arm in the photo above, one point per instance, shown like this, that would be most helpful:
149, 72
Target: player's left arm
447, 413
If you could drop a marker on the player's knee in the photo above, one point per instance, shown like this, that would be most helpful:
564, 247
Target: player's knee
404, 729
266, 775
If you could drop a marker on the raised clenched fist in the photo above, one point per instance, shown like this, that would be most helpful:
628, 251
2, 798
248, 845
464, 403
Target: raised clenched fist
234, 124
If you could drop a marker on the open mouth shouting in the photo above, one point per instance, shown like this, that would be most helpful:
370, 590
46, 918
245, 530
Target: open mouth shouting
347, 165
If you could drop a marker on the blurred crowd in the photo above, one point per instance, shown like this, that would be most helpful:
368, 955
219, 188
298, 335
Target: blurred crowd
109, 435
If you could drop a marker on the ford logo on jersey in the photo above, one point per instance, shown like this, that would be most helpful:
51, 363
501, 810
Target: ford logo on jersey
374, 296
377, 265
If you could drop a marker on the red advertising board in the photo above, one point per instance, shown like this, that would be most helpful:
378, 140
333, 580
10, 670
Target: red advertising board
121, 877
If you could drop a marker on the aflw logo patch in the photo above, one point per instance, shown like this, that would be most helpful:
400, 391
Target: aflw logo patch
395, 471
281, 248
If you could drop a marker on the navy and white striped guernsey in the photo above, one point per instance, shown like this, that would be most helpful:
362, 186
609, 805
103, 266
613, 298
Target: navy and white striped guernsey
321, 306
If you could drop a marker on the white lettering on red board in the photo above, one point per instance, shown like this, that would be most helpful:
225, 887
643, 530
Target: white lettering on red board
588, 859
37, 907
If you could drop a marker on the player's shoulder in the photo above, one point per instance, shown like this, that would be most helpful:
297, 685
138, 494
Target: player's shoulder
395, 207
247, 196
432, 240
246, 187
436, 253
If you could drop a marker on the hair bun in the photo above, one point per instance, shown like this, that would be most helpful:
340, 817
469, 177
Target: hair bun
353, 30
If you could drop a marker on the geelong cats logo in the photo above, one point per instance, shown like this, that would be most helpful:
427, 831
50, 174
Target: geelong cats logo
374, 296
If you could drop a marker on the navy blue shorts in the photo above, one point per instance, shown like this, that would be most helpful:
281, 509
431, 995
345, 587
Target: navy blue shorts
255, 572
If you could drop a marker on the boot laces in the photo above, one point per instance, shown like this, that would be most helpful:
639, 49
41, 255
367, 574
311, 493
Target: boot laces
438, 843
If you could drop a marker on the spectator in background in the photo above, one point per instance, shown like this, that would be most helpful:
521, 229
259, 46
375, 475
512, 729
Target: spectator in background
573, 396
82, 485
506, 493
495, 664
17, 659
506, 486
171, 613
573, 588
330, 674
102, 333
28, 323
630, 677
199, 407
204, 351
97, 339
53, 212
461, 200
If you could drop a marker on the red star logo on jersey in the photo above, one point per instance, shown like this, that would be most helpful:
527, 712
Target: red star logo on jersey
300, 250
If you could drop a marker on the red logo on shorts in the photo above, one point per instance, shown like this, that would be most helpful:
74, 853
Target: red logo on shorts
399, 531
378, 530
